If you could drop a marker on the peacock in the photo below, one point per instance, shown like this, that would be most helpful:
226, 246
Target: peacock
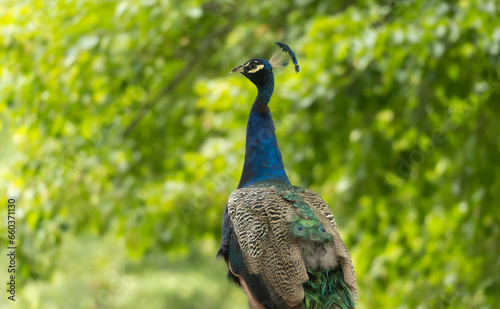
280, 242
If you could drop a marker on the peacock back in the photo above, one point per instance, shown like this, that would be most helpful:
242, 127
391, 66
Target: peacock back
288, 238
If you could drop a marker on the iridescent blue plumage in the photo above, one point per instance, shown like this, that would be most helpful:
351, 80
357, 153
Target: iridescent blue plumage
280, 242
262, 156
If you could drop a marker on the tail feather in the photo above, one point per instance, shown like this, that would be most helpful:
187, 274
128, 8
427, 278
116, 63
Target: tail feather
326, 289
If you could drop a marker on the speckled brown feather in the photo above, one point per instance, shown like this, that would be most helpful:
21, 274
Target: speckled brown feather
261, 219
345, 260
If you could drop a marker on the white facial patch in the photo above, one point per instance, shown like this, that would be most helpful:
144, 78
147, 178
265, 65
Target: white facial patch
258, 67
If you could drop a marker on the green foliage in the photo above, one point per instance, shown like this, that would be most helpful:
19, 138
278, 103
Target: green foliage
123, 135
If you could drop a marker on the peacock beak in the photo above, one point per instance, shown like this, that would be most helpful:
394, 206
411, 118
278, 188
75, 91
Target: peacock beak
237, 69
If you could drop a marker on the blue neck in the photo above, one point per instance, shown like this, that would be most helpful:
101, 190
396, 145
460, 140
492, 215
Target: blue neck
263, 160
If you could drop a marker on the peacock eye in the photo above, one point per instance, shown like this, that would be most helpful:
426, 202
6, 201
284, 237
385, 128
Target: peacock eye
252, 66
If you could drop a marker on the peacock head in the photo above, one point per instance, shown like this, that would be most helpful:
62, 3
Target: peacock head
260, 71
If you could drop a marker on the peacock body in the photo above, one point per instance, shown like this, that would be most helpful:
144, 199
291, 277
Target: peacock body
281, 242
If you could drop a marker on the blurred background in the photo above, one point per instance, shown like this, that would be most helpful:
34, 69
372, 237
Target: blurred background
122, 136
